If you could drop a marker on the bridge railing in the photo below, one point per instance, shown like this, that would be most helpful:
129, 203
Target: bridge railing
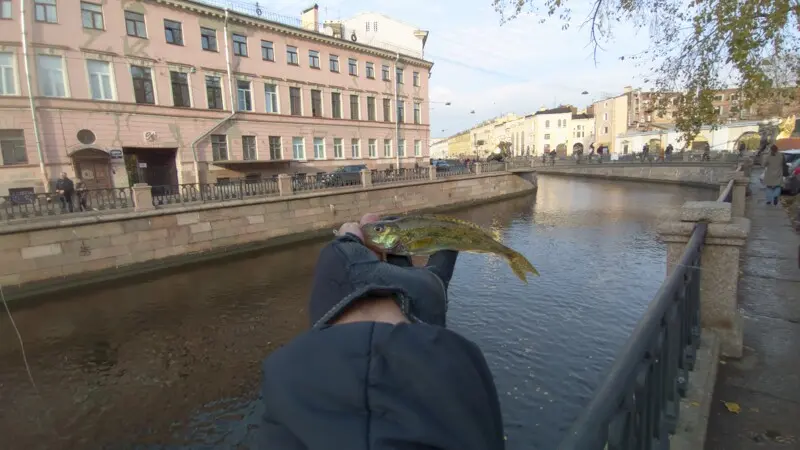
636, 407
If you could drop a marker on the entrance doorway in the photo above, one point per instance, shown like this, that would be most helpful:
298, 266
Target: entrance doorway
154, 166
93, 167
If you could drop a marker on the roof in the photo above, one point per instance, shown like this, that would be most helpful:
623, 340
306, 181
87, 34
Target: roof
363, 13
559, 110
583, 116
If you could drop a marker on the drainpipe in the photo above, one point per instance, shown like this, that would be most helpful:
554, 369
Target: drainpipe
230, 101
396, 113
22, 22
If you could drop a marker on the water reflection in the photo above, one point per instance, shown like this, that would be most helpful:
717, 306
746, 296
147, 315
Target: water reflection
173, 361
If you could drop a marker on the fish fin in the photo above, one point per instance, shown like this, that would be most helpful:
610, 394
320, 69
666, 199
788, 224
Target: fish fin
520, 265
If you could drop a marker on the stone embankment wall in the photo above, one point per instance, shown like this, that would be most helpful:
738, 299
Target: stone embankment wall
40, 257
702, 175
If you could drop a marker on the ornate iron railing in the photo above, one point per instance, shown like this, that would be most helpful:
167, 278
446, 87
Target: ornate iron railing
217, 192
636, 406
323, 181
26, 204
455, 170
402, 175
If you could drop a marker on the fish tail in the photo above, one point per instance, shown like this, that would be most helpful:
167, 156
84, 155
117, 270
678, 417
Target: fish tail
520, 265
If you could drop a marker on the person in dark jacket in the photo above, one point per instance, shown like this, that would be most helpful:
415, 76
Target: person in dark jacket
65, 190
378, 369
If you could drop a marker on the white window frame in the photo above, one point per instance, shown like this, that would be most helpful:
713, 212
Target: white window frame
401, 148
321, 102
155, 86
302, 112
338, 154
6, 14
372, 148
14, 77
294, 151
111, 80
417, 147
255, 142
277, 98
322, 140
358, 106
355, 148
227, 147
252, 100
221, 86
64, 76
391, 152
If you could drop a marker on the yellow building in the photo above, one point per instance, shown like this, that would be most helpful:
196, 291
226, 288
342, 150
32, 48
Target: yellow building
459, 145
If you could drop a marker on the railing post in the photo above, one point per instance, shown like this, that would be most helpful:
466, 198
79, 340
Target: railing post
142, 197
719, 267
285, 184
432, 172
366, 177
478, 168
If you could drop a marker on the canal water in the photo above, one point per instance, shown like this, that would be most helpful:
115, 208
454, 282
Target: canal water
171, 360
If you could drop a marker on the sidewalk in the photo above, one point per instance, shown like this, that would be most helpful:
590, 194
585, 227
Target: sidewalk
765, 383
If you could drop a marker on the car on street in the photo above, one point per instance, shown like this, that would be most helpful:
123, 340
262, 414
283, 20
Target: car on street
441, 165
345, 175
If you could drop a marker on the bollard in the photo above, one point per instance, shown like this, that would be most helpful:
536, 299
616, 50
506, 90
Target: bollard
432, 172
142, 197
285, 184
366, 177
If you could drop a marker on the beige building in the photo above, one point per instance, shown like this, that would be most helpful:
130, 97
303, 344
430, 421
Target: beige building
553, 130
610, 120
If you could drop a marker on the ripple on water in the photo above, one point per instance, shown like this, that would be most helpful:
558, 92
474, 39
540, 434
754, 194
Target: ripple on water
173, 362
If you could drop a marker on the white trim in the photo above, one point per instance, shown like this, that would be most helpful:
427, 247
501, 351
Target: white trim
64, 75
341, 146
324, 153
303, 141
375, 155
14, 74
111, 80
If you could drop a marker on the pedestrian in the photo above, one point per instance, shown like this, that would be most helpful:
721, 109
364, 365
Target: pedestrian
378, 369
65, 189
774, 171
82, 193
668, 152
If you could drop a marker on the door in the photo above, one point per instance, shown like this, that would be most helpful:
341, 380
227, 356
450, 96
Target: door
95, 174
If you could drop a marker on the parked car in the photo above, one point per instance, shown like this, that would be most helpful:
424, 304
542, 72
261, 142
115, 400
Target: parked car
791, 183
345, 175
441, 166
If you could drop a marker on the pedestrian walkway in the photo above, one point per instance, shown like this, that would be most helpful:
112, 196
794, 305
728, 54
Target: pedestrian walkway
765, 382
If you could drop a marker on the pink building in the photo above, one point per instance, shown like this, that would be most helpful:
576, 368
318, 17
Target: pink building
174, 91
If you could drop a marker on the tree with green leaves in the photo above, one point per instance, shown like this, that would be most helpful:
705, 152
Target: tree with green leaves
698, 46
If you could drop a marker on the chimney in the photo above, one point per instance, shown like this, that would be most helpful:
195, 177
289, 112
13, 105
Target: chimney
310, 18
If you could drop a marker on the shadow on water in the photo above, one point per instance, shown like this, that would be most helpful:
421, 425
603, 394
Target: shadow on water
172, 362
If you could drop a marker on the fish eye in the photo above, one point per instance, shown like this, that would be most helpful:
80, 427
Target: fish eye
379, 228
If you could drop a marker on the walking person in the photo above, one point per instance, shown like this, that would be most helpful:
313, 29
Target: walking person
774, 171
378, 370
82, 193
668, 153
65, 189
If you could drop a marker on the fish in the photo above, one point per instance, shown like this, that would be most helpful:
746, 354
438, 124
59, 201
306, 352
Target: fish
422, 235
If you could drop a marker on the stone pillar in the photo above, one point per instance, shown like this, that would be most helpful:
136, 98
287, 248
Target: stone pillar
142, 197
478, 168
719, 265
507, 166
366, 177
285, 184
739, 195
432, 172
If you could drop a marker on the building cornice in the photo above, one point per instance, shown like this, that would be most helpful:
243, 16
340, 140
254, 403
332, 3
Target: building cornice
309, 35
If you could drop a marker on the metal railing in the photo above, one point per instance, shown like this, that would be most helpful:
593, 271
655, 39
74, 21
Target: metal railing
217, 192
455, 170
402, 175
27, 205
325, 181
636, 406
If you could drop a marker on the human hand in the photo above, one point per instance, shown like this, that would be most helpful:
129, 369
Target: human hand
355, 229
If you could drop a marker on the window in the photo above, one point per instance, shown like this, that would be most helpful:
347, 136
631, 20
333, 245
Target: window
50, 70
399, 76
605, 130
375, 26
180, 89
214, 92
316, 103
5, 9
385, 73
173, 31
401, 148
267, 51
8, 85
239, 45
352, 65
143, 85
313, 59
367, 25
547, 124
417, 148
401, 111
354, 107
275, 151
333, 61
92, 16
295, 106
355, 148
134, 24
336, 105
12, 147
45, 11
416, 78
387, 148
417, 112
387, 110
372, 146
271, 96
208, 39
546, 137
291, 55
99, 79
249, 152
605, 116
298, 148
371, 108
219, 147
338, 152
319, 148
370, 70
244, 95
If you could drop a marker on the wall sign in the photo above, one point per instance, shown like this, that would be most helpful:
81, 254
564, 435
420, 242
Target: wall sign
142, 165
115, 154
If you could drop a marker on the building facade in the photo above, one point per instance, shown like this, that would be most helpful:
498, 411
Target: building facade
381, 31
171, 91
610, 120
553, 130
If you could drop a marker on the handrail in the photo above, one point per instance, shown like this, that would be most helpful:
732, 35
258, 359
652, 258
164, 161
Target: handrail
725, 196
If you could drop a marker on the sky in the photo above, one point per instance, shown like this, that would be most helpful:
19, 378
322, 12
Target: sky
492, 69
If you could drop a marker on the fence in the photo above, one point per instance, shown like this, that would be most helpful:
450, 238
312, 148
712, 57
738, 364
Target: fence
637, 405
27, 204
402, 175
220, 192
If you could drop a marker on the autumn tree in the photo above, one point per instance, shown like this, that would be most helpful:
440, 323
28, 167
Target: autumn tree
696, 47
